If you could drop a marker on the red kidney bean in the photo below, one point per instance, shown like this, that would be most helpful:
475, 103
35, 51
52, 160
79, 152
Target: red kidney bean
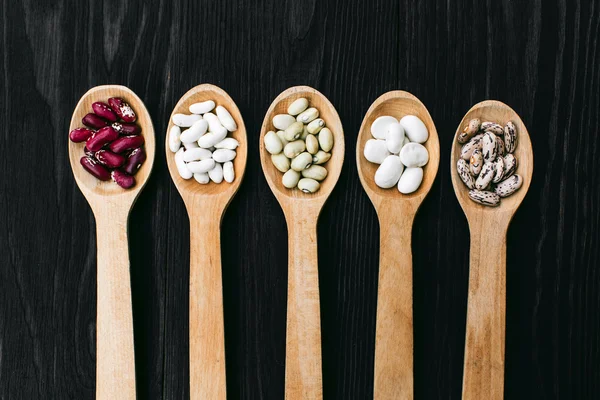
123, 110
94, 121
93, 167
126, 129
126, 143
79, 135
123, 179
134, 161
101, 138
110, 159
103, 110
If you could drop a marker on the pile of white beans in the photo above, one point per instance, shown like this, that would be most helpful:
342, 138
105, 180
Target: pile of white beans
300, 146
200, 143
398, 147
487, 163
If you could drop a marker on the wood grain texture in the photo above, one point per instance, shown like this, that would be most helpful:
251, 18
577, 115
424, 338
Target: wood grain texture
539, 57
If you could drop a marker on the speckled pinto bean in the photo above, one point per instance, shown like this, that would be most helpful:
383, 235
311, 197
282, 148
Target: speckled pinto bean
94, 168
122, 109
94, 121
126, 129
101, 138
125, 143
122, 179
79, 135
134, 161
110, 159
484, 197
102, 109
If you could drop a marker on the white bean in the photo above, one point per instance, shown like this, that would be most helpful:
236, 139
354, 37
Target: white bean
184, 120
273, 143
389, 172
298, 106
201, 166
192, 145
214, 125
196, 155
379, 127
414, 155
216, 174
228, 172
223, 155
227, 143
212, 138
395, 138
174, 138
414, 128
226, 119
203, 107
195, 132
376, 151
410, 180
202, 178
182, 168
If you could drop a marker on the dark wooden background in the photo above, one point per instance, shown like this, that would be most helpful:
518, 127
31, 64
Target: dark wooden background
541, 57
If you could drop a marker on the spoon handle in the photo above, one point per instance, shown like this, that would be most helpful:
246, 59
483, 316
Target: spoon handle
303, 371
394, 327
207, 335
484, 345
115, 361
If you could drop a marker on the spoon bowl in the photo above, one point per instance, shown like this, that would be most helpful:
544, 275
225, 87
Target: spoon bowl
303, 368
393, 369
334, 165
190, 188
397, 103
483, 376
496, 111
111, 204
206, 205
92, 188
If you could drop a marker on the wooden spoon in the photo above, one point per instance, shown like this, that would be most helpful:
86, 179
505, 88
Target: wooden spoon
111, 204
393, 378
303, 371
206, 205
484, 347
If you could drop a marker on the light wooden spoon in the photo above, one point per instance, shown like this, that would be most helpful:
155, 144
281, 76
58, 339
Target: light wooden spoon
484, 346
303, 370
111, 204
206, 205
393, 377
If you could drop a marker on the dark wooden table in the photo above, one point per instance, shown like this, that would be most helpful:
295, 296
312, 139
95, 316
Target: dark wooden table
540, 57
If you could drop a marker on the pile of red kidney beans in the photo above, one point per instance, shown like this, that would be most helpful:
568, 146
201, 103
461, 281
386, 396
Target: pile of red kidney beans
113, 142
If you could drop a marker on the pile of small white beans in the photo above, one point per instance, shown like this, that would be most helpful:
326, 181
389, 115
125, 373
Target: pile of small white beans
398, 147
200, 143
487, 164
300, 146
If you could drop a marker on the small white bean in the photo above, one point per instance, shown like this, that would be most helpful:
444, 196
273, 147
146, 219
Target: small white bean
226, 119
376, 151
184, 120
410, 180
290, 179
273, 143
326, 139
282, 121
414, 128
195, 132
228, 172
315, 126
201, 166
203, 107
182, 168
202, 178
281, 162
298, 106
223, 155
174, 138
308, 115
216, 174
196, 155
379, 127
227, 143
212, 138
